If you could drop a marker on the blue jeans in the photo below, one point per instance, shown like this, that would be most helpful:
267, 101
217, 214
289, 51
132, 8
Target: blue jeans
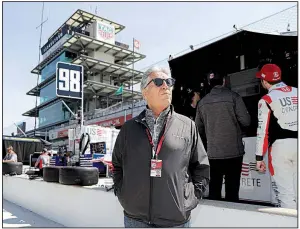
129, 222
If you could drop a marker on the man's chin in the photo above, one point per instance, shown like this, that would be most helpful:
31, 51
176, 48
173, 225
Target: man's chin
166, 103
167, 98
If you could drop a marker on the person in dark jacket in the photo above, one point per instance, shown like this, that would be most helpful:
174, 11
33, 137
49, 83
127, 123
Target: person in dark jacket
193, 98
161, 168
220, 117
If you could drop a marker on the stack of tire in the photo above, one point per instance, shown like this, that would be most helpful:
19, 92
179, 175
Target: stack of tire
69, 175
51, 173
12, 168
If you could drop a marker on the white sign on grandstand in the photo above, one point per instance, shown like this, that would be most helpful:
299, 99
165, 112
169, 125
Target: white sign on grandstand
105, 32
57, 44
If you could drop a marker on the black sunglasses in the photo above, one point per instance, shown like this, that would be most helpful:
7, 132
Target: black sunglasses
159, 81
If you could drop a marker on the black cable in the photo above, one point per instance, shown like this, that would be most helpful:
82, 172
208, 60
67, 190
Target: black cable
87, 143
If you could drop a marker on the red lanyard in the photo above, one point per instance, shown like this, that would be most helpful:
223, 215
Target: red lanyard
160, 142
152, 145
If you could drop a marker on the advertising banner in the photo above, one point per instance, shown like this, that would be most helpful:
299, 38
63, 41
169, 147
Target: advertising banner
53, 40
122, 45
105, 32
119, 121
53, 134
100, 134
97, 163
59, 38
254, 186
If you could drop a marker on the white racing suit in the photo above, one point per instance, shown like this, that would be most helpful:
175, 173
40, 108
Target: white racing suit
277, 133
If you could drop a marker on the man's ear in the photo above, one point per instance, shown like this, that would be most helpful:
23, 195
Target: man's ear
144, 94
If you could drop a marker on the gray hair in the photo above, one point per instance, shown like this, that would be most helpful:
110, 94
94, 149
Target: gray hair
151, 70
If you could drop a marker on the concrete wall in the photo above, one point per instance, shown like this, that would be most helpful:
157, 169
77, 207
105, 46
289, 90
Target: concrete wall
74, 206
70, 206
102, 56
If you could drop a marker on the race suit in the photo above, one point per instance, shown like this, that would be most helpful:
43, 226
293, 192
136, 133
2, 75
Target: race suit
277, 133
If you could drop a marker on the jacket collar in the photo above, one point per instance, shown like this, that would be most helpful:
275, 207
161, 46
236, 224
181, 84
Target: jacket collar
142, 116
217, 89
149, 113
278, 85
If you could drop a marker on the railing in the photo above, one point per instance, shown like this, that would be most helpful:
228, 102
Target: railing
113, 109
138, 107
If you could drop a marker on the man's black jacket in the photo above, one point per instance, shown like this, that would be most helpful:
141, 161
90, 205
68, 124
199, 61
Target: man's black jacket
169, 199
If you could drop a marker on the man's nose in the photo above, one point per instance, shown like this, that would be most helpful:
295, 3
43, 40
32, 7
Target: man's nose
164, 85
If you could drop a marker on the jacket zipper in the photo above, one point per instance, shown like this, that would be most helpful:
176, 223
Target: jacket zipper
150, 198
150, 201
151, 178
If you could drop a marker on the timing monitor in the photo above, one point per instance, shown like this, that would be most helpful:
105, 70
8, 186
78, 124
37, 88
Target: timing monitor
98, 147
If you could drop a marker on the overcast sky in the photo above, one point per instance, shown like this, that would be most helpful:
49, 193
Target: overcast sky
162, 29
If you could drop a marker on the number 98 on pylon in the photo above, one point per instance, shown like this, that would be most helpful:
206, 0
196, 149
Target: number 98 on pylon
69, 80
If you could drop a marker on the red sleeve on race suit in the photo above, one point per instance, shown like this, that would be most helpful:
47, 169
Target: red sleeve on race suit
41, 164
267, 99
262, 142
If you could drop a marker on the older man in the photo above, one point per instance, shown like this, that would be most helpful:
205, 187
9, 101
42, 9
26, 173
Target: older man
160, 165
11, 156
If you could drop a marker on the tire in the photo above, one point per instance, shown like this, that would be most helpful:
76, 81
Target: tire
12, 168
83, 176
51, 173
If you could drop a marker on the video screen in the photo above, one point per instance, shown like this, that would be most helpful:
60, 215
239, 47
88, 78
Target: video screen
99, 147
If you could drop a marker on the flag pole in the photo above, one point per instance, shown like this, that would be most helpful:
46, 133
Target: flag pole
132, 78
122, 96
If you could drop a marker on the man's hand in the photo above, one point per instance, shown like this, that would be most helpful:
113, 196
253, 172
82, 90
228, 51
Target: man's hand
261, 166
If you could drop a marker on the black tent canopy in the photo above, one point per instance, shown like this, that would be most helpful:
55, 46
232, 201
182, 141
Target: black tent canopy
23, 147
224, 56
237, 57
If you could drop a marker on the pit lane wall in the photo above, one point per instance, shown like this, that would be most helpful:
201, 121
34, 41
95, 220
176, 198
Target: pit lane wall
74, 206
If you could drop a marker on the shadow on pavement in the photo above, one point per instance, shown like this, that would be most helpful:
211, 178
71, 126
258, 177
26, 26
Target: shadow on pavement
16, 216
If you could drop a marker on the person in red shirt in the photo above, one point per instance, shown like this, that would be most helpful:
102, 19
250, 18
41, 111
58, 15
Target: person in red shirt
42, 161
